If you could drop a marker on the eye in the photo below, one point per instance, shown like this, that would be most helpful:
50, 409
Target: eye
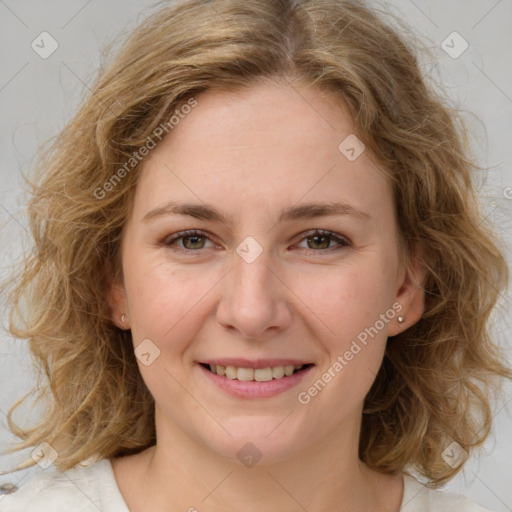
321, 240
194, 240
190, 240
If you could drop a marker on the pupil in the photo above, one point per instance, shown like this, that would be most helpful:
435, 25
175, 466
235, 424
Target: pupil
195, 237
319, 237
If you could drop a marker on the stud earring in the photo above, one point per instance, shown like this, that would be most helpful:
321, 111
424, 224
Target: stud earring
401, 319
123, 318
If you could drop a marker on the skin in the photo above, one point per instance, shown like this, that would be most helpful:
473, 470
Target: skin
252, 154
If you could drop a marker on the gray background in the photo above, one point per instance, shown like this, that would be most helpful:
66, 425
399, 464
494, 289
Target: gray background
38, 95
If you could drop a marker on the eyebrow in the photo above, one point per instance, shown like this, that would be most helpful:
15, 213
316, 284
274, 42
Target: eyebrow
303, 211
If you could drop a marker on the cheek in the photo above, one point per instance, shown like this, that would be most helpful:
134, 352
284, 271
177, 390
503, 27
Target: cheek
348, 299
166, 302
168, 307
353, 306
354, 309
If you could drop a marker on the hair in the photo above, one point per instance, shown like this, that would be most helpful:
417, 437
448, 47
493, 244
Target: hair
437, 377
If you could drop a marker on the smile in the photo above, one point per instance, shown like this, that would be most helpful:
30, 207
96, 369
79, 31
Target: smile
254, 378
254, 374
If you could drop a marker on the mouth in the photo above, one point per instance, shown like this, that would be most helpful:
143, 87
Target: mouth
264, 374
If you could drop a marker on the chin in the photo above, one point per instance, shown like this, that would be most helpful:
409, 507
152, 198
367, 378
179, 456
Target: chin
255, 441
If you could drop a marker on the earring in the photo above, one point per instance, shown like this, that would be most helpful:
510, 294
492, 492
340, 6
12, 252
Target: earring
401, 319
123, 318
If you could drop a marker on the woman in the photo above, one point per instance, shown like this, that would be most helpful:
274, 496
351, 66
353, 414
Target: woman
260, 278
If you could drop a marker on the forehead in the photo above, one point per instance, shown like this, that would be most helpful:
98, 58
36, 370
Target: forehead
270, 144
264, 115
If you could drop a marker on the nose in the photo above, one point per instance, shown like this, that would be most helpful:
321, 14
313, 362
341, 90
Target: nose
254, 300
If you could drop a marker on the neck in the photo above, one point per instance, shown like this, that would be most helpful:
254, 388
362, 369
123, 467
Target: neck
184, 474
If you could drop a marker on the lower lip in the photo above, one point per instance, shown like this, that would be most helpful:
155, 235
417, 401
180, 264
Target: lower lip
253, 389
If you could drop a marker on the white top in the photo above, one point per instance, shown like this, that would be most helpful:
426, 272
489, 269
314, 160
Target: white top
93, 487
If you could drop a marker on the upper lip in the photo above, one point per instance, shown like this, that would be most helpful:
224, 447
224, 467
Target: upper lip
254, 363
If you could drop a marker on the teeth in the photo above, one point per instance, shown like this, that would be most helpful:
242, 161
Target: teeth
245, 374
259, 375
231, 372
278, 372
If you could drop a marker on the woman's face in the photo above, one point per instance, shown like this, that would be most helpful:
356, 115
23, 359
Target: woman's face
255, 174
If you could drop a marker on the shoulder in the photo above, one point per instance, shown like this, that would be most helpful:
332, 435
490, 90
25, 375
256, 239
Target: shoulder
83, 488
419, 498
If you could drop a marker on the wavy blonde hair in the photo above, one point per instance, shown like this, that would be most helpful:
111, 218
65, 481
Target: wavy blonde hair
437, 378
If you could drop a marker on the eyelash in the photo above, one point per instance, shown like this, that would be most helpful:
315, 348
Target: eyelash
170, 241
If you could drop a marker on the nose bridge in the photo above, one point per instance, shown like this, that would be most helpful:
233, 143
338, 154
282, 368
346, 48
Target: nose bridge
253, 279
253, 301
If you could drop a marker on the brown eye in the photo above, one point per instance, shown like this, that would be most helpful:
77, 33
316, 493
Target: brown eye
321, 240
187, 241
196, 241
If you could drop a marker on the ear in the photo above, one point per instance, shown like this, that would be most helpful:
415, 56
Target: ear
410, 294
116, 298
